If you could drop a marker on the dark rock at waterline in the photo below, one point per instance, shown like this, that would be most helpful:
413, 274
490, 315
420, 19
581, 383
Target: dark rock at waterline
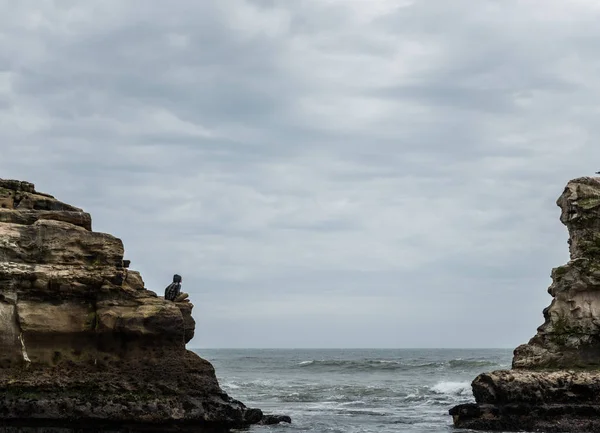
527, 417
43, 426
83, 342
275, 419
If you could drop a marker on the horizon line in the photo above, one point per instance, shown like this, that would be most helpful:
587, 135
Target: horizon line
351, 348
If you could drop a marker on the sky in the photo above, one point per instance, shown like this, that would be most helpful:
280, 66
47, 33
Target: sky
322, 173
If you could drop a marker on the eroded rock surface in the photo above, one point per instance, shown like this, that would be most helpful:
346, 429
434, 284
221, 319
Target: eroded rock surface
81, 338
570, 335
555, 381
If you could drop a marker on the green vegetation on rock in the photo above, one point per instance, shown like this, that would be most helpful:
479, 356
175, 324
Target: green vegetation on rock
591, 247
589, 203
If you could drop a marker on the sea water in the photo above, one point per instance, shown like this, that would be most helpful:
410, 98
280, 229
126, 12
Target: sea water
354, 390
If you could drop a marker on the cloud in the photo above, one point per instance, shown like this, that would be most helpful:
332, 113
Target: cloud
323, 173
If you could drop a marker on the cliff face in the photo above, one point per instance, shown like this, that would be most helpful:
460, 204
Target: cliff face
65, 294
570, 336
82, 339
554, 382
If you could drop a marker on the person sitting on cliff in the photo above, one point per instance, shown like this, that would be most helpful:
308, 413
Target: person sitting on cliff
173, 290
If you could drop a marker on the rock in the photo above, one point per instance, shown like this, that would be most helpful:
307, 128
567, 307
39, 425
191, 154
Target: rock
58, 243
189, 324
275, 419
570, 335
28, 217
133, 280
83, 341
555, 381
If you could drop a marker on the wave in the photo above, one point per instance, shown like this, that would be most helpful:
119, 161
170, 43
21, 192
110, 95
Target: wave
371, 364
452, 388
354, 396
387, 365
470, 363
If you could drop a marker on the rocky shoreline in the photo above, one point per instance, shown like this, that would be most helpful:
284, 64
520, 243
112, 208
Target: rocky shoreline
554, 384
83, 343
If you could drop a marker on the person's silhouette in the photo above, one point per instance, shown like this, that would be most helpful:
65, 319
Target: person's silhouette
173, 290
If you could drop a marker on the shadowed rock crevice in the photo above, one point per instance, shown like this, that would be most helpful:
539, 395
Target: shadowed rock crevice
82, 340
554, 383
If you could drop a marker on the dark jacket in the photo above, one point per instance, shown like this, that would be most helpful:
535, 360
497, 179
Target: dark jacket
174, 289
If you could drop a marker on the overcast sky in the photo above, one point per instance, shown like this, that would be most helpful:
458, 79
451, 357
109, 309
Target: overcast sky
323, 173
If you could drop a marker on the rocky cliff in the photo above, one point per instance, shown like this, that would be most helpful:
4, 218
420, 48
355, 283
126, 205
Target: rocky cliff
555, 381
82, 341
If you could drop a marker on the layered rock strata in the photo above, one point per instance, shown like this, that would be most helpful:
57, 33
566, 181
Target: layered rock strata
82, 341
554, 384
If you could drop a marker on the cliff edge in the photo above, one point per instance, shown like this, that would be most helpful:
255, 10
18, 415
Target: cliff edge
554, 384
83, 342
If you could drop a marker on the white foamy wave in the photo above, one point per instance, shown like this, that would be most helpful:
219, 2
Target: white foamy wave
306, 362
452, 388
230, 385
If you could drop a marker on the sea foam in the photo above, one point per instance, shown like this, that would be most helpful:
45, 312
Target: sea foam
452, 388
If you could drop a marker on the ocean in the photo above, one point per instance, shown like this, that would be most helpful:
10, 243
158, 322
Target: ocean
354, 390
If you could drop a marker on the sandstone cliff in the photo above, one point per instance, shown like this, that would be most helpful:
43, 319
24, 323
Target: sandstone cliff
554, 383
82, 339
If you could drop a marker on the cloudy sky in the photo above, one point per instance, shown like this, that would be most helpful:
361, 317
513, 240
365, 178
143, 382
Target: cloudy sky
323, 173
